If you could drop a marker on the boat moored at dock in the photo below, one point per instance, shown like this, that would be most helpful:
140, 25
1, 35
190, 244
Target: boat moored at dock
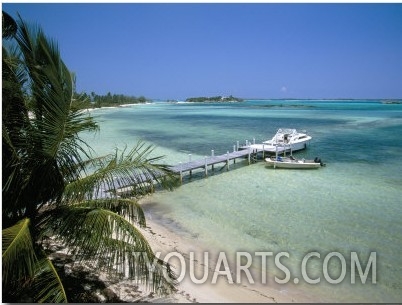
291, 162
285, 140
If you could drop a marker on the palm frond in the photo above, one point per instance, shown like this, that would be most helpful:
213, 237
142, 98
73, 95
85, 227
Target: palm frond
47, 284
135, 168
127, 208
9, 25
49, 144
52, 89
18, 259
83, 228
111, 242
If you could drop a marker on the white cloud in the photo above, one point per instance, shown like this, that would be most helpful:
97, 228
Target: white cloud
284, 89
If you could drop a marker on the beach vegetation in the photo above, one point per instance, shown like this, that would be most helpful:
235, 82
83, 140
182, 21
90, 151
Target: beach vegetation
213, 99
94, 100
54, 186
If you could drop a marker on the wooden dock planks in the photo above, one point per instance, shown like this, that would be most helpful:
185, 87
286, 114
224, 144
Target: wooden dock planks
182, 168
208, 161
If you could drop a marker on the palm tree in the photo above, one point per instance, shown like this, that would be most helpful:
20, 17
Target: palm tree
53, 186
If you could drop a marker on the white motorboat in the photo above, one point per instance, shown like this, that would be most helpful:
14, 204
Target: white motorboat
291, 162
288, 138
285, 140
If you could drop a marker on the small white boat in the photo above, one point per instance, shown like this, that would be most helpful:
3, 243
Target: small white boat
291, 162
285, 140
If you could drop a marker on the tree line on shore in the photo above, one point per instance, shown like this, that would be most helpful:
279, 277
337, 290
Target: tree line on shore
218, 98
94, 100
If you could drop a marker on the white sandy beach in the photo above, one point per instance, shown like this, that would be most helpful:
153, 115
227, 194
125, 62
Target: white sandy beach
114, 107
165, 241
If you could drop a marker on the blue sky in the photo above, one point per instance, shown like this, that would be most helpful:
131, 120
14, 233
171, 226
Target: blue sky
265, 50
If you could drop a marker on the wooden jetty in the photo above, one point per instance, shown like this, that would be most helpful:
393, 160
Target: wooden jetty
212, 160
187, 167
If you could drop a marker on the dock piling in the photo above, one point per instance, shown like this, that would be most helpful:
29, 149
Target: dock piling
181, 172
213, 155
189, 160
234, 150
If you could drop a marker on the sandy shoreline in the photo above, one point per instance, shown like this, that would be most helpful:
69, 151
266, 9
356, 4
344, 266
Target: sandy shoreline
114, 107
164, 240
98, 286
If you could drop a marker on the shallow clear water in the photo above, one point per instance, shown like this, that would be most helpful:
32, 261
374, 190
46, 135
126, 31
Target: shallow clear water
352, 204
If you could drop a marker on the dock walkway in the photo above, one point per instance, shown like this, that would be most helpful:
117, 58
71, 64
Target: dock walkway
211, 161
180, 169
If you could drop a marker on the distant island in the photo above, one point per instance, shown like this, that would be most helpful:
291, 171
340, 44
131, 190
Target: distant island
214, 99
391, 102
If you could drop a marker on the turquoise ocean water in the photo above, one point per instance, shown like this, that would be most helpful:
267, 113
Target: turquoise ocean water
352, 204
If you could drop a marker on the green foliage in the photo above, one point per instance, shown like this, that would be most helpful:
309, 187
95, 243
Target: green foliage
24, 271
213, 99
9, 25
47, 283
109, 100
54, 187
18, 254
